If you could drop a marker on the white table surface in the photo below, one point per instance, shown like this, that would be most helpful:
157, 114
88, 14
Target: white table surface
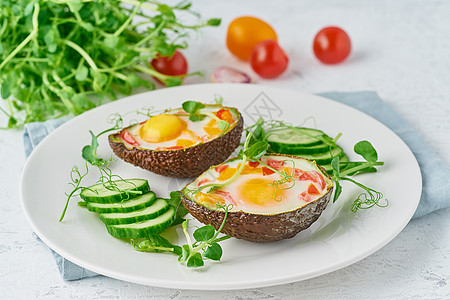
401, 49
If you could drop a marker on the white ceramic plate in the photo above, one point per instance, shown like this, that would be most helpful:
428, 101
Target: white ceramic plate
339, 238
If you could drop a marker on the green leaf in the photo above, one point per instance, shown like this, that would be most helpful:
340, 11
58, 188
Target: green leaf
89, 152
257, 150
163, 242
335, 165
185, 224
81, 73
192, 107
350, 165
75, 5
29, 8
100, 80
337, 191
111, 41
5, 91
258, 132
173, 81
204, 233
180, 211
214, 22
195, 261
185, 252
213, 252
196, 118
366, 150
133, 80
12, 122
240, 154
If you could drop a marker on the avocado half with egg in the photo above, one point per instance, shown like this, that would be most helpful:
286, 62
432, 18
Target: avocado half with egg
171, 144
266, 206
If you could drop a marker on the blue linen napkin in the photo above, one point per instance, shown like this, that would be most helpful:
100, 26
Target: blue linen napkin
436, 187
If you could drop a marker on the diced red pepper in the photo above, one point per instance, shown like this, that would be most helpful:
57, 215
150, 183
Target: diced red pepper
175, 147
220, 168
127, 137
304, 196
267, 171
312, 189
226, 196
253, 164
276, 164
203, 181
320, 178
297, 173
308, 176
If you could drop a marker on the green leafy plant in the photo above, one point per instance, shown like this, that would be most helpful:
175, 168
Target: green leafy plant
206, 243
60, 57
195, 113
342, 170
193, 254
252, 153
370, 197
89, 152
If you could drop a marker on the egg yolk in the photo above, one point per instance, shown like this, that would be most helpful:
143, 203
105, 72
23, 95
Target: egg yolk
260, 191
162, 128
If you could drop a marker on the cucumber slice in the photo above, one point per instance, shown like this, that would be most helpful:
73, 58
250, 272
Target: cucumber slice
326, 157
158, 208
121, 190
316, 149
143, 229
137, 203
299, 137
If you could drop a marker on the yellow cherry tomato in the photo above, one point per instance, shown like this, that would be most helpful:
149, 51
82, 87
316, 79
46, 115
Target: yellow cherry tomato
244, 33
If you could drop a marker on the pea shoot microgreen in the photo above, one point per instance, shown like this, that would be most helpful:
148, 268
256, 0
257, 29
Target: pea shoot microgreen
193, 253
64, 57
76, 177
89, 152
196, 113
370, 197
252, 153
206, 240
341, 170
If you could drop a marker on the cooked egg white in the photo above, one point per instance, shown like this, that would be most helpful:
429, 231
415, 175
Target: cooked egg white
256, 193
171, 130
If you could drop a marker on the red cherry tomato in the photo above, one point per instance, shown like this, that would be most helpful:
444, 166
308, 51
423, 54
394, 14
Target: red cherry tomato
171, 65
332, 45
268, 60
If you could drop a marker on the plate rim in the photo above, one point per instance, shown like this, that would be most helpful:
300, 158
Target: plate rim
213, 286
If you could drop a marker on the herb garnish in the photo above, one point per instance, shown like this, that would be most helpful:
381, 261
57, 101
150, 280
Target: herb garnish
371, 197
341, 171
252, 153
206, 240
206, 245
195, 113
60, 57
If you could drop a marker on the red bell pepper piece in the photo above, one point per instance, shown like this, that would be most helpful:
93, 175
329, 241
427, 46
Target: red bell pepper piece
127, 137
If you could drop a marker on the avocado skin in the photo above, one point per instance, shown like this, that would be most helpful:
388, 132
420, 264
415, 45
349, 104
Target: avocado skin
182, 163
260, 228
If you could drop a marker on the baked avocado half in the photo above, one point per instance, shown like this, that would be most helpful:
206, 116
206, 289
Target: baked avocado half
265, 206
180, 144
